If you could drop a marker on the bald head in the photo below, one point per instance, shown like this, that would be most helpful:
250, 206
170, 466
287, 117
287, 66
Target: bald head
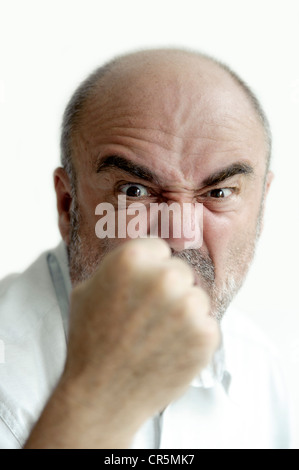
141, 78
166, 126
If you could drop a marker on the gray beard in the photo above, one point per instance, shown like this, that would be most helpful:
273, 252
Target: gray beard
204, 267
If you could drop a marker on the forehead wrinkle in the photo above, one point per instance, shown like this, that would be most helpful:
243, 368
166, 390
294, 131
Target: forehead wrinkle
130, 117
124, 117
173, 71
141, 141
154, 138
131, 136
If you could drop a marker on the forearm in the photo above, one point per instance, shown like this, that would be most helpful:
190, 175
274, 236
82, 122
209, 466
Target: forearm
70, 421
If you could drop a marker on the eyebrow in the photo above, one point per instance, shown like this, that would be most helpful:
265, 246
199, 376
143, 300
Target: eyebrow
219, 176
139, 171
129, 167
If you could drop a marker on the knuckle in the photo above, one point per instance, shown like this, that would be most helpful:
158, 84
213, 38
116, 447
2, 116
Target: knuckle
129, 255
126, 257
182, 267
133, 252
196, 300
167, 278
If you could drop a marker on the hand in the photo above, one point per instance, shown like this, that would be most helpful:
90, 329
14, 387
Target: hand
140, 331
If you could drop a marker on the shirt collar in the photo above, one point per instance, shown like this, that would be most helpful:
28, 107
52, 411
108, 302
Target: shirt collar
214, 373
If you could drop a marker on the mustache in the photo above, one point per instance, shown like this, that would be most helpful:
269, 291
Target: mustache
200, 262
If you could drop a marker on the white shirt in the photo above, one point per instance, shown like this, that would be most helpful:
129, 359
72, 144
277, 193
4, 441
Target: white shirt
240, 402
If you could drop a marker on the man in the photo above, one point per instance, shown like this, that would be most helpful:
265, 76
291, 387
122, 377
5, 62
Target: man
141, 357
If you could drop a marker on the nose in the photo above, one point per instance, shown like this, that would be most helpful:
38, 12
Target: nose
180, 224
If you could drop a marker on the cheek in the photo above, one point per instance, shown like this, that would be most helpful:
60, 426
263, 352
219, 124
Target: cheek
217, 232
88, 198
228, 235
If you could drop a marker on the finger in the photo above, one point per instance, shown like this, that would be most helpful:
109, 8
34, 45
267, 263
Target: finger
182, 275
143, 250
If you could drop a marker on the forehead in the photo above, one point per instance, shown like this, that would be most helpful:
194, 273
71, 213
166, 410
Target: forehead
170, 115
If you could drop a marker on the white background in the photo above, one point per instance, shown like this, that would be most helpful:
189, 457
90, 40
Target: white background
48, 47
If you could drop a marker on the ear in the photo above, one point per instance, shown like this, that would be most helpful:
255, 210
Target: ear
268, 182
64, 200
269, 179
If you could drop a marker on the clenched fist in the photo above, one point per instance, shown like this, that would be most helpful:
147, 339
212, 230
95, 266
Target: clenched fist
139, 333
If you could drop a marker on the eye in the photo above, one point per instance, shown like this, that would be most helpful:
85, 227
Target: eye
220, 193
134, 190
